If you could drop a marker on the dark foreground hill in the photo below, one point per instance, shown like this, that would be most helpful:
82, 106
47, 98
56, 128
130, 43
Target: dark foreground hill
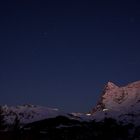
63, 128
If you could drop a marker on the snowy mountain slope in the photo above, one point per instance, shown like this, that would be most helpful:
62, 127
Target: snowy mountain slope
122, 103
29, 113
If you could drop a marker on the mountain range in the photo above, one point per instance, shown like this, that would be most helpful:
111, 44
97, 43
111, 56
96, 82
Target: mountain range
116, 116
120, 103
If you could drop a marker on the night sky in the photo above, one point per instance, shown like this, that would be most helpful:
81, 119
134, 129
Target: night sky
61, 53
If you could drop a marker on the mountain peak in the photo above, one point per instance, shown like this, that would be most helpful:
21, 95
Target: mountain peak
124, 101
110, 85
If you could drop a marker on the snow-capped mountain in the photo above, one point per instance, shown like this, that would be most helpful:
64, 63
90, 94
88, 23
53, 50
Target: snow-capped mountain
122, 103
117, 107
28, 113
31, 113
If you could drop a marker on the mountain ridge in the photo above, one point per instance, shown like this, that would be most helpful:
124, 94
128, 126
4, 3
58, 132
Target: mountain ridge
118, 101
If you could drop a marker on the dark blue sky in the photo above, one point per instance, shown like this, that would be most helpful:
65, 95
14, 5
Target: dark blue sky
62, 53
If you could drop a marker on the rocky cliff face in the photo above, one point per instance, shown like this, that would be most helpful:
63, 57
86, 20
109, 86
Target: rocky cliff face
121, 102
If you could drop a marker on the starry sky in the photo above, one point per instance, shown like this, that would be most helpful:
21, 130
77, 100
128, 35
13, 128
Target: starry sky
61, 53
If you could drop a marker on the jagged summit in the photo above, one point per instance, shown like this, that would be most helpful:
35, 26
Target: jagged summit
119, 95
110, 85
120, 100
